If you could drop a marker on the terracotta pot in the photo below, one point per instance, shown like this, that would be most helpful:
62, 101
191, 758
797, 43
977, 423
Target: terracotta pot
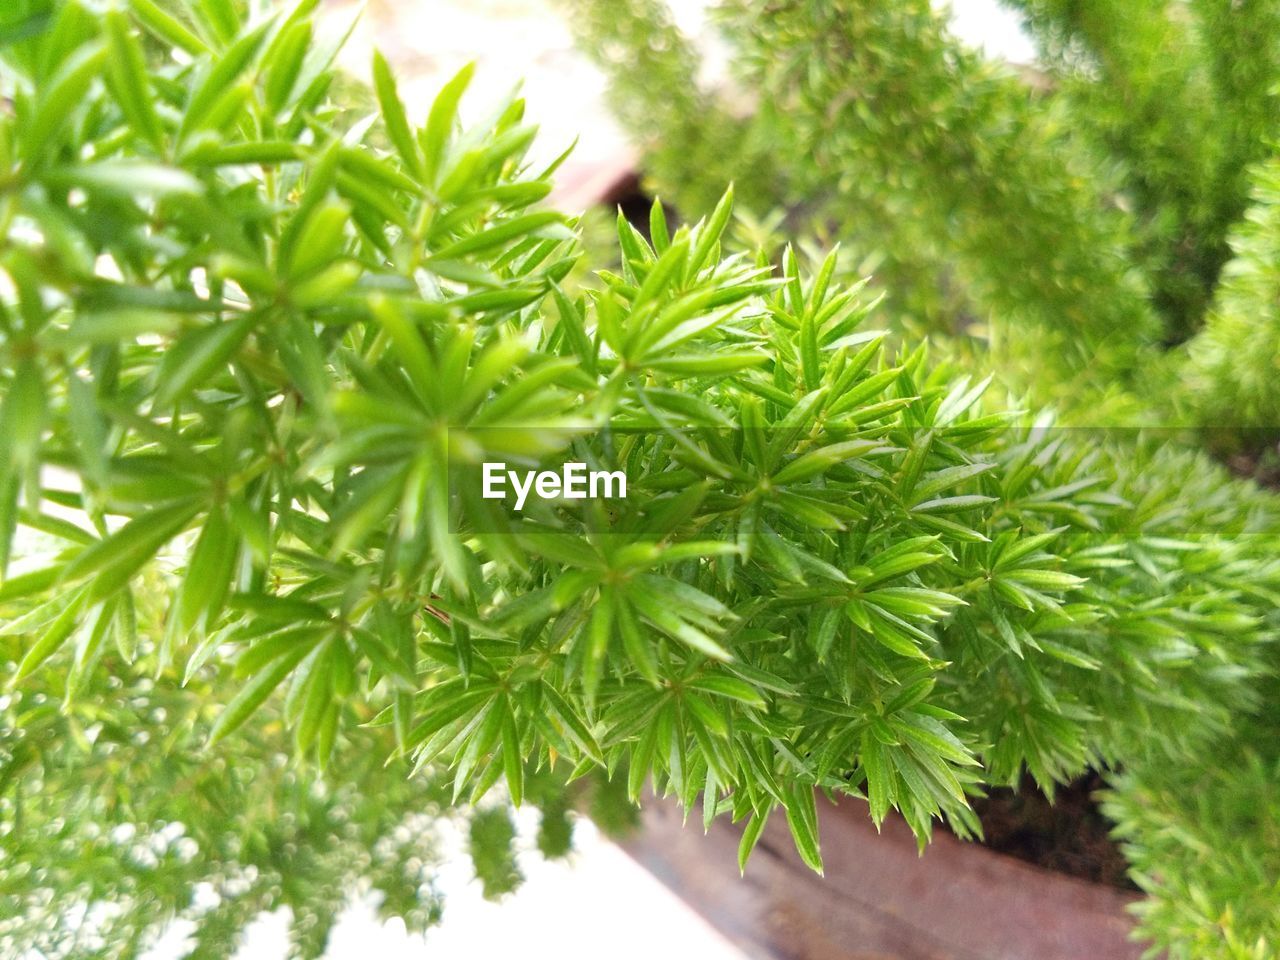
880, 900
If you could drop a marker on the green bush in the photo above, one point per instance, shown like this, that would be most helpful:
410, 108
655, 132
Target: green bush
929, 166
1056, 226
1071, 221
115, 821
253, 350
1234, 369
1202, 844
1183, 97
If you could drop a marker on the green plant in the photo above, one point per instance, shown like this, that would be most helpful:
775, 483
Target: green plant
116, 822
1183, 96
981, 204
1057, 226
253, 350
1234, 370
133, 169
1070, 219
1203, 846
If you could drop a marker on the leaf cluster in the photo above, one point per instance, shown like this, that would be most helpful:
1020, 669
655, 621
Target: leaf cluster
1057, 225
253, 345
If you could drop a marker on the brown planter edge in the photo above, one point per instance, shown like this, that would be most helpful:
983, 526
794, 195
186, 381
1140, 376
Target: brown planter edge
880, 900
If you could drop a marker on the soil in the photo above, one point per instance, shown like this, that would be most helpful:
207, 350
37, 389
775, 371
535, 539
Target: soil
1069, 835
1261, 467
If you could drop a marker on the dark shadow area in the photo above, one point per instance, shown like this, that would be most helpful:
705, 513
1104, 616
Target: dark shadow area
1069, 835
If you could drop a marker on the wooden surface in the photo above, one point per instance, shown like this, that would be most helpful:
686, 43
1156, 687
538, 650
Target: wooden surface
879, 900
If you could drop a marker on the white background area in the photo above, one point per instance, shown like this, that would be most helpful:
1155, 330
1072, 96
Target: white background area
595, 904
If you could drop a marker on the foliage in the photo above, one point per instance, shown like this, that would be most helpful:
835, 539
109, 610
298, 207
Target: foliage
683, 126
1056, 226
1183, 95
1202, 844
930, 165
131, 191
1069, 220
253, 348
1234, 369
491, 838
116, 822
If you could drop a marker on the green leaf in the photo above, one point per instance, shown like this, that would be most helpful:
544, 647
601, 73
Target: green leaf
880, 789
266, 153
894, 563
512, 755
823, 458
51, 639
500, 235
22, 420
320, 241
284, 64
62, 96
411, 351
126, 178
658, 226
444, 711
655, 610
220, 17
167, 28
750, 837
1044, 579
128, 71
663, 274
480, 743
932, 736
642, 760
196, 356
204, 588
126, 628
598, 635
802, 818
708, 234
572, 724
439, 126
317, 696
932, 484
254, 693
705, 364
220, 79
893, 634
637, 646
113, 560
393, 116
729, 687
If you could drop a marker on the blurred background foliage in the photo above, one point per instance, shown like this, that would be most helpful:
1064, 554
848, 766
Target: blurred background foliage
1074, 216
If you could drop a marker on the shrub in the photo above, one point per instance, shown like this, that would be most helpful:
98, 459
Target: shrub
254, 349
1202, 845
1234, 367
1068, 222
116, 822
1053, 229
1183, 97
942, 163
